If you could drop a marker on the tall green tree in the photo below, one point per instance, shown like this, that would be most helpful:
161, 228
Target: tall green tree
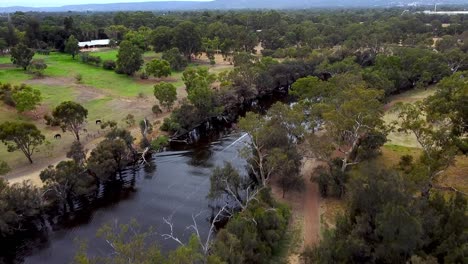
187, 38
66, 181
21, 56
175, 59
21, 136
351, 116
450, 104
129, 58
161, 38
158, 68
20, 207
197, 77
437, 142
109, 158
71, 116
166, 93
71, 46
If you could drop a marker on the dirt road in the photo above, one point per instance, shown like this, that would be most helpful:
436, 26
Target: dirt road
305, 206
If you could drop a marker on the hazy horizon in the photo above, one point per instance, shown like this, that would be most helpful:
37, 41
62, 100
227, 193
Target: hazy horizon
48, 3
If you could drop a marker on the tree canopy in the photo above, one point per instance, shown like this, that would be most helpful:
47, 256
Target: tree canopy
21, 136
129, 58
166, 93
21, 56
71, 116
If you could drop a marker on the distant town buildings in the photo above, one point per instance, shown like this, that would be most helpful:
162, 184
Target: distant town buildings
428, 12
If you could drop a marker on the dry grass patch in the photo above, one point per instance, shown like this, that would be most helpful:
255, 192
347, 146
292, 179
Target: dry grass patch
330, 209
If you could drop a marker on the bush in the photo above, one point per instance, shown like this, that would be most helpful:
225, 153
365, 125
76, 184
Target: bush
169, 125
268, 52
263, 236
156, 110
159, 143
43, 51
84, 57
143, 75
5, 94
90, 59
37, 68
129, 120
279, 54
109, 65
79, 78
95, 60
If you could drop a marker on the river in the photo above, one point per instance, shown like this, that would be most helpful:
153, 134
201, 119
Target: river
177, 189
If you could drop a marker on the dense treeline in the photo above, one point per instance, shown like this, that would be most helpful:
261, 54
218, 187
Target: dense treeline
315, 29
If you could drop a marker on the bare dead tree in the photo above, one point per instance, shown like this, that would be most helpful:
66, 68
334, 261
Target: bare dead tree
205, 244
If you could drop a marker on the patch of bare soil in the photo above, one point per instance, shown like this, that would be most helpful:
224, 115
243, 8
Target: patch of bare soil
152, 80
6, 66
330, 208
51, 81
84, 93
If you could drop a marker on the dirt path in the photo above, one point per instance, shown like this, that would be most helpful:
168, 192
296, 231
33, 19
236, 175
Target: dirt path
305, 206
311, 206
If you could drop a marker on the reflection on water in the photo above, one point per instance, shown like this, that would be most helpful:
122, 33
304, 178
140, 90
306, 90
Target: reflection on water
175, 185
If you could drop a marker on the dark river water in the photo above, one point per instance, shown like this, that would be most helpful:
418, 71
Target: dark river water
177, 189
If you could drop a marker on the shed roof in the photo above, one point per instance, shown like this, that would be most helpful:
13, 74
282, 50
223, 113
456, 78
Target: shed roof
96, 42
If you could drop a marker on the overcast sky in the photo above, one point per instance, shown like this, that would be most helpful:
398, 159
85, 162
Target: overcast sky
41, 3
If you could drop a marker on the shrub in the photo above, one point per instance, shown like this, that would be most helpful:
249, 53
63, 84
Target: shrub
5, 94
156, 110
159, 143
90, 59
84, 57
43, 51
37, 68
169, 125
109, 65
94, 60
268, 52
130, 120
79, 78
143, 75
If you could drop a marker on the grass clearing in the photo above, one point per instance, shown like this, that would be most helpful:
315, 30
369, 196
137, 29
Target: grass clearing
106, 94
398, 138
400, 144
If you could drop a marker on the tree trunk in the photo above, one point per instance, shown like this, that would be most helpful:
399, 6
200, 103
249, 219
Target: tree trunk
29, 158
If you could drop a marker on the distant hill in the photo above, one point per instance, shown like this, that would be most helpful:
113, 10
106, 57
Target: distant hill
229, 4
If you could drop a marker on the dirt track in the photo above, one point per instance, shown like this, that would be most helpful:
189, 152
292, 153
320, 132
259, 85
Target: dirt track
305, 207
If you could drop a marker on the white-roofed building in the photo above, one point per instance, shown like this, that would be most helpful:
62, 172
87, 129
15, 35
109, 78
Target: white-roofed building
94, 43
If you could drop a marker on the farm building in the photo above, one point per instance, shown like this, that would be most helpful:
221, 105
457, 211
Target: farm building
98, 43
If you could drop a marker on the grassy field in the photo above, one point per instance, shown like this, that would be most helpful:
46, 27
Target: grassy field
395, 137
106, 94
400, 144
